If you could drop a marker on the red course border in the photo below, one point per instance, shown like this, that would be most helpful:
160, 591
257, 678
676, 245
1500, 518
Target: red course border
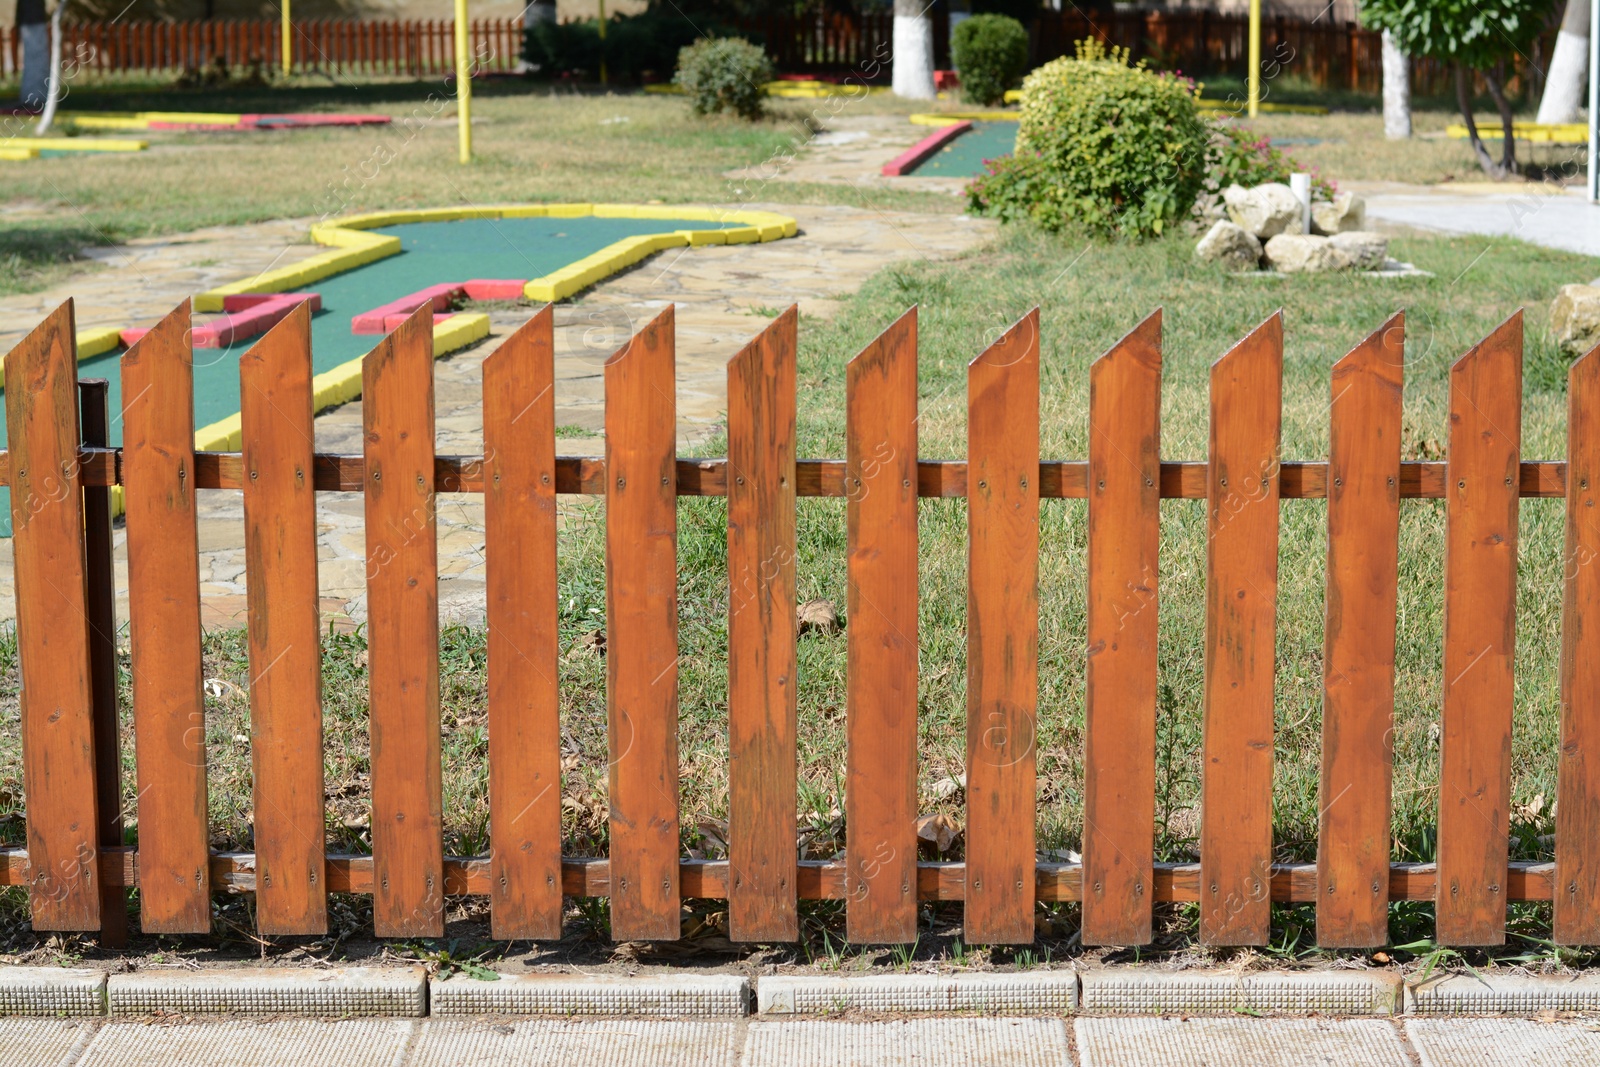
908, 161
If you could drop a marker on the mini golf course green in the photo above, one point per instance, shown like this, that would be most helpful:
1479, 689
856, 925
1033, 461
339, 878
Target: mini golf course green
964, 157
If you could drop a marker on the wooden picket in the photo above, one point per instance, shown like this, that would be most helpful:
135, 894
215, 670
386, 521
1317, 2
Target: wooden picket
61, 475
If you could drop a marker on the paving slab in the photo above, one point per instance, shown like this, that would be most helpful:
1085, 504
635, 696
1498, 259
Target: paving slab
1202, 1042
695, 995
1503, 1043
577, 1043
1539, 213
42, 1042
391, 991
247, 1043
911, 1043
1030, 992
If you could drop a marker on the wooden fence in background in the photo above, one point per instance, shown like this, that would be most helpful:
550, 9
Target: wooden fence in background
1319, 52
411, 47
60, 473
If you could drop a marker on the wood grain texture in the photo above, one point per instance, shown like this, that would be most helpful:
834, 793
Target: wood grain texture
762, 687
1120, 705
881, 638
1577, 898
519, 507
100, 601
403, 632
280, 544
57, 697
169, 729
1002, 635
1359, 641
1241, 614
642, 633
1479, 638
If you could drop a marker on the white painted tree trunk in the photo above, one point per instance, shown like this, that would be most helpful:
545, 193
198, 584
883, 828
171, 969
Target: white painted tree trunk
913, 50
1568, 77
1396, 91
53, 98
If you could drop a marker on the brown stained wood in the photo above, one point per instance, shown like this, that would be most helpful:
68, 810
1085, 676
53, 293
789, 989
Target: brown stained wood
403, 632
519, 507
1358, 658
1002, 636
762, 687
53, 642
642, 633
169, 729
881, 638
1577, 900
280, 540
1241, 593
586, 476
100, 605
1479, 638
817, 879
1120, 705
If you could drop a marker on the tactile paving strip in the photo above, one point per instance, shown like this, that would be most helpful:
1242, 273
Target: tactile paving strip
989, 993
922, 1042
1493, 1042
1228, 1042
577, 1043
1154, 992
688, 996
52, 991
382, 991
1484, 994
241, 1043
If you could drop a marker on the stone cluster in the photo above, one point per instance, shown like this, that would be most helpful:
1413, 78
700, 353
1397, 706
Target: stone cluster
1265, 229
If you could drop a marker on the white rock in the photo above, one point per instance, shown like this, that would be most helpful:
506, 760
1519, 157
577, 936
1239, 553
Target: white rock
1267, 210
1235, 247
1367, 250
1301, 253
1575, 318
1344, 213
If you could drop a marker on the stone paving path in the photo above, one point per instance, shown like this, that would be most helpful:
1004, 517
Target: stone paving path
946, 1042
724, 296
1542, 214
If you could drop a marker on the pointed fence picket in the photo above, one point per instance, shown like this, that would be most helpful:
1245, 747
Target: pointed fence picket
61, 473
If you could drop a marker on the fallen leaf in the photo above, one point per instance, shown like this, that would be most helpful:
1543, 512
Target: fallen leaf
938, 831
819, 616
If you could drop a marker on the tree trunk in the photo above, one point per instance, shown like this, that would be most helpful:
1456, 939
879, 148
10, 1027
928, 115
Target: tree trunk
1464, 102
35, 63
1568, 76
1508, 147
913, 50
53, 97
1396, 90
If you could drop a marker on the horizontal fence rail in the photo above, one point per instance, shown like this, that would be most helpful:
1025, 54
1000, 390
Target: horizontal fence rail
61, 474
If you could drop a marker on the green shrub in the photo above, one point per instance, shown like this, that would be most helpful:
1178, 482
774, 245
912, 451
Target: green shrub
1121, 150
990, 53
725, 74
1239, 157
636, 47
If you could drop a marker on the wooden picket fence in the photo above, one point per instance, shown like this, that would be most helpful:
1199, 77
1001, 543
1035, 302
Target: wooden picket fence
402, 47
60, 475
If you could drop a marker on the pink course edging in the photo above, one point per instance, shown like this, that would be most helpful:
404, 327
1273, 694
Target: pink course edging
907, 161
384, 319
244, 315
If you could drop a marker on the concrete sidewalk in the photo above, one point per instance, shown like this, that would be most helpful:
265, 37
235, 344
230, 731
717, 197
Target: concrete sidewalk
1540, 214
1092, 1041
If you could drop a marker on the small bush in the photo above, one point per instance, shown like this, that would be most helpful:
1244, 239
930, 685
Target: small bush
1239, 157
1121, 150
990, 53
642, 47
725, 74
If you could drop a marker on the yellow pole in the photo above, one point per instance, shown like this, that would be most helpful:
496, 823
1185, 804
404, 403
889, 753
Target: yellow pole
287, 38
1255, 57
463, 83
602, 5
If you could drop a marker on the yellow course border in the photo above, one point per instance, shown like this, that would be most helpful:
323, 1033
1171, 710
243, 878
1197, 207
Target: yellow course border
950, 118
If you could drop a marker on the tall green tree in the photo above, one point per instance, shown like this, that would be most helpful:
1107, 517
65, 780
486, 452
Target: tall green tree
1475, 37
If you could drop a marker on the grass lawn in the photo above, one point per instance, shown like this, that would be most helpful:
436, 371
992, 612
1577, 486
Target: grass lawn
1091, 293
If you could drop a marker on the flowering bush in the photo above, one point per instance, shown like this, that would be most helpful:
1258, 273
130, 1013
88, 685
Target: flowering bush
1239, 157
